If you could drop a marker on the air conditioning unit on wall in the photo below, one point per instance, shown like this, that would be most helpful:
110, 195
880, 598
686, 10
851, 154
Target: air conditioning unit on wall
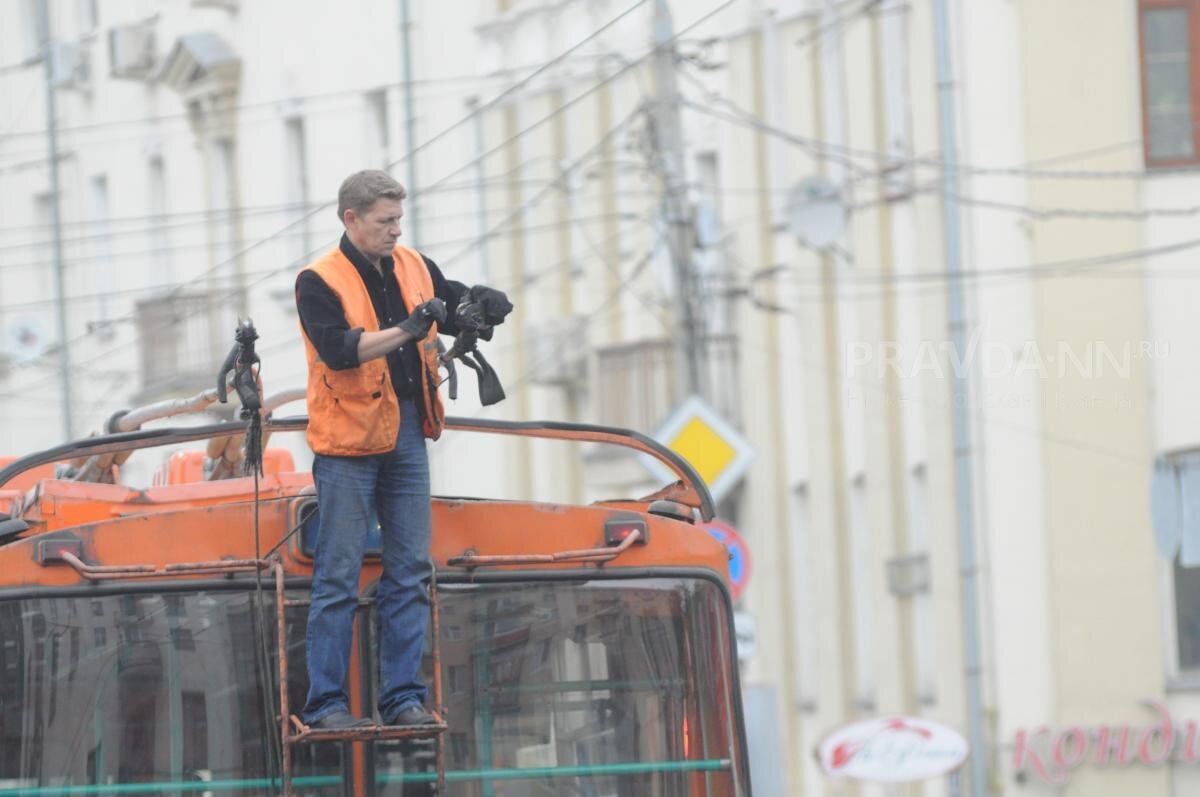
70, 66
131, 51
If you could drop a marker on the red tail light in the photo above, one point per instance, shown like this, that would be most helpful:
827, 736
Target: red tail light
617, 529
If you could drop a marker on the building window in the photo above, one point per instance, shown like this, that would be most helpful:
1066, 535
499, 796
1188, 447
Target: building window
379, 142
1175, 511
103, 273
194, 707
297, 185
182, 638
88, 14
708, 210
805, 602
459, 749
895, 29
924, 634
33, 28
862, 590
638, 389
223, 201
457, 677
1187, 616
160, 238
184, 338
638, 383
1169, 30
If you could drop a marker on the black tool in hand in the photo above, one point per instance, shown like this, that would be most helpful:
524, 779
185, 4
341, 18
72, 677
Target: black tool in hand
241, 360
479, 310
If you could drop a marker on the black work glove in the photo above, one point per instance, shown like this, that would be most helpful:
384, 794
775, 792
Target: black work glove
493, 303
422, 317
469, 315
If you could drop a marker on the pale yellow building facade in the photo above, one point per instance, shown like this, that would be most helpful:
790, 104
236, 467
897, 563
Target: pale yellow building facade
1078, 360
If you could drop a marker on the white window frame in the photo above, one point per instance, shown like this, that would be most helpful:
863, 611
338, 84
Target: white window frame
924, 623
296, 184
805, 597
377, 128
862, 581
104, 273
1178, 677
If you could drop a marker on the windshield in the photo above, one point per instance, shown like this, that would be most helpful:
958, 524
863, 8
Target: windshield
140, 694
601, 687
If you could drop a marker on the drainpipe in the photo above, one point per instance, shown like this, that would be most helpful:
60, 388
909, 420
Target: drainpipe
965, 506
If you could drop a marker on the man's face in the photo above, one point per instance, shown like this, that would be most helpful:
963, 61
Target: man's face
375, 231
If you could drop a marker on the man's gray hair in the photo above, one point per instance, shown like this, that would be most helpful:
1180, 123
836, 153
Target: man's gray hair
362, 189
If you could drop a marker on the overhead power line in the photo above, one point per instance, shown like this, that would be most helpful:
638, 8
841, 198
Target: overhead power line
571, 336
412, 153
480, 109
472, 81
85, 242
835, 25
855, 286
203, 215
817, 150
230, 281
846, 155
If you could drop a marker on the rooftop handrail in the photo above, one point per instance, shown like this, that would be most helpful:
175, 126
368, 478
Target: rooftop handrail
148, 438
600, 555
111, 572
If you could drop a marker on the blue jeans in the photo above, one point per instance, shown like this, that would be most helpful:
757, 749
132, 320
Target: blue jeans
351, 493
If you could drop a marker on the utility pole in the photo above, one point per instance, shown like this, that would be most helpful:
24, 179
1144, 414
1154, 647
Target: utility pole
64, 351
410, 143
965, 497
668, 141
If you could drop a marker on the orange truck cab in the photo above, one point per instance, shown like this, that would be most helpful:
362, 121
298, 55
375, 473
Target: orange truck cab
152, 639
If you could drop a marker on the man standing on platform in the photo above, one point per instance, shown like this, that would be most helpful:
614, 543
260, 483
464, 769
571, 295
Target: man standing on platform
370, 312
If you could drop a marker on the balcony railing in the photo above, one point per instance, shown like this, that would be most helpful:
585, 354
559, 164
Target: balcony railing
638, 384
184, 339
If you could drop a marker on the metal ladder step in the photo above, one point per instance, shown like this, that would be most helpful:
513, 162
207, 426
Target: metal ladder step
364, 733
294, 732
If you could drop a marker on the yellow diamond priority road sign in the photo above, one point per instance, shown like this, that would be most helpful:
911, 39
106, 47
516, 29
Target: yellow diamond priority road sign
718, 452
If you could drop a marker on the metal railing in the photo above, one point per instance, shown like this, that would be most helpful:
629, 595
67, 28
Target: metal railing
183, 338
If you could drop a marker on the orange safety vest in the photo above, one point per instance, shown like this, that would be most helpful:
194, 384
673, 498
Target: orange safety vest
354, 411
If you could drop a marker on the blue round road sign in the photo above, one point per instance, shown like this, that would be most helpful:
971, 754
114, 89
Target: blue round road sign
739, 554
